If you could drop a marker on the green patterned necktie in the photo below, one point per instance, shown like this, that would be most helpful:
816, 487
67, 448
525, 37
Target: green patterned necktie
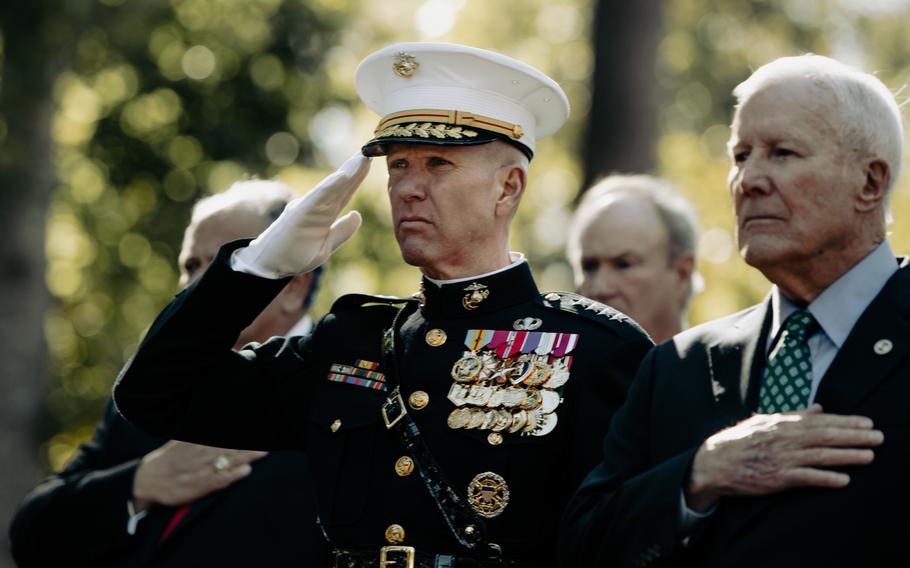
787, 380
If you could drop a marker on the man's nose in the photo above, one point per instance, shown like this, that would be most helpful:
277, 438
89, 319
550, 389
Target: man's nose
409, 186
600, 285
753, 177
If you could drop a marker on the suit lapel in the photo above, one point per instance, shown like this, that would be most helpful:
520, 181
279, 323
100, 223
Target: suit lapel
732, 362
858, 367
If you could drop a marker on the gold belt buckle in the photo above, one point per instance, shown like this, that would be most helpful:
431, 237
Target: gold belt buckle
405, 553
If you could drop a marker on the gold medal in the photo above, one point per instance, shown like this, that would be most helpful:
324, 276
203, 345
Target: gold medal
520, 371
496, 399
435, 337
458, 418
467, 369
512, 397
475, 419
488, 494
545, 425
550, 401
458, 394
560, 374
540, 373
533, 419
519, 421
479, 395
533, 399
502, 420
489, 418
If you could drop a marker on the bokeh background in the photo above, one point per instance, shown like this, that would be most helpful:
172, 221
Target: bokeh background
116, 115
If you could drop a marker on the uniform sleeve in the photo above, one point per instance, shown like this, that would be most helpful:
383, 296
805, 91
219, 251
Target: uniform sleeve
185, 381
626, 511
79, 515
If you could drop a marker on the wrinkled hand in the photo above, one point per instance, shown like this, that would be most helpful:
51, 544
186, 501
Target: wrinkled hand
768, 453
179, 472
309, 230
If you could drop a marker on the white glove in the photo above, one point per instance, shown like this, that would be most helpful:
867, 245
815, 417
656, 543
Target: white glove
308, 230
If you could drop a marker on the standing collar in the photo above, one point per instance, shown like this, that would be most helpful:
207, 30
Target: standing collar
477, 295
840, 305
515, 258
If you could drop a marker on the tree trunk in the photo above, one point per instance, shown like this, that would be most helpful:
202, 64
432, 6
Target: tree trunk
26, 179
622, 124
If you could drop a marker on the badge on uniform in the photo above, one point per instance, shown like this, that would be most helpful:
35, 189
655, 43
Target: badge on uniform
362, 373
488, 494
508, 381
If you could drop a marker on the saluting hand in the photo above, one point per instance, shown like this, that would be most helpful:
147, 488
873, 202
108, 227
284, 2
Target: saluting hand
179, 472
768, 453
309, 230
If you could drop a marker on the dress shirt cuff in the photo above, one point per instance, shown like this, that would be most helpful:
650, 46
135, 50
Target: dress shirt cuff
134, 519
689, 518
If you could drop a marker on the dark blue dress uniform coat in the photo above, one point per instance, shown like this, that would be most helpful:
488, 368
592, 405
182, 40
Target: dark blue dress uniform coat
707, 378
322, 394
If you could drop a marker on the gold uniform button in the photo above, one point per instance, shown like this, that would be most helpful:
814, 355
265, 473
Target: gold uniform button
335, 425
436, 337
418, 400
394, 534
404, 466
495, 438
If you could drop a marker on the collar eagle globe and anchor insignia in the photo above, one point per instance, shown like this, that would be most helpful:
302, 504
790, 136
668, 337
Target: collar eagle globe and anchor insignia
476, 293
488, 494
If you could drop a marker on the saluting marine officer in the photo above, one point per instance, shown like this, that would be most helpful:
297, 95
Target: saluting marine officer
444, 430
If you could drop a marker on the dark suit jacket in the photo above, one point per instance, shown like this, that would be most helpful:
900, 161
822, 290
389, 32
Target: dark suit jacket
707, 378
78, 517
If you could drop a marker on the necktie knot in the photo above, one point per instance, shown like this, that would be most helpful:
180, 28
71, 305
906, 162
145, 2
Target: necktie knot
799, 323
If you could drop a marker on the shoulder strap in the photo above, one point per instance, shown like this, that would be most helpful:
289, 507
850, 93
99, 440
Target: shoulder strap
465, 524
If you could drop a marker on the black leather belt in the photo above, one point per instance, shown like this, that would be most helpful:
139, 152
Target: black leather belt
408, 557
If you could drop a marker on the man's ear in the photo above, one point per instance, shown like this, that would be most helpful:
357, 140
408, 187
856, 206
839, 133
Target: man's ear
293, 297
878, 177
511, 181
684, 267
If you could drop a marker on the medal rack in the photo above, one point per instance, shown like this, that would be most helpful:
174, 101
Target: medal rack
510, 381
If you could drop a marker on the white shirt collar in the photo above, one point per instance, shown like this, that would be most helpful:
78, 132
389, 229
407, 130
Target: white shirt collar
515, 259
840, 305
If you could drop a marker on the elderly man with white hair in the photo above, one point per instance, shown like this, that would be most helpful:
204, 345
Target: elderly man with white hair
778, 436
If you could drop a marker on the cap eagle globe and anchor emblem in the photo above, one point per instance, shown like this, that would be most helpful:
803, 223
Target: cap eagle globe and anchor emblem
405, 65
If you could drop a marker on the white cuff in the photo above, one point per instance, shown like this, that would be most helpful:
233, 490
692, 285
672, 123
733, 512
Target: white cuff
239, 264
134, 519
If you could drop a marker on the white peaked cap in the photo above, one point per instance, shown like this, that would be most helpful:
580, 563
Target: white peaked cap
444, 93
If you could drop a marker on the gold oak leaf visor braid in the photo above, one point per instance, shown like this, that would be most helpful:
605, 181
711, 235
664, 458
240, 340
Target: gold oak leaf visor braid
444, 127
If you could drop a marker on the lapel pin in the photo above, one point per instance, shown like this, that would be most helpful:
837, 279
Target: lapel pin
883, 347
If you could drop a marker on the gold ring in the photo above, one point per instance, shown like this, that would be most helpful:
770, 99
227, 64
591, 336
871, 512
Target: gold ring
221, 463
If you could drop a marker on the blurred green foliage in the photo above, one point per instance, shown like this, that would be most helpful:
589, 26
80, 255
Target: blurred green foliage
167, 101
162, 102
